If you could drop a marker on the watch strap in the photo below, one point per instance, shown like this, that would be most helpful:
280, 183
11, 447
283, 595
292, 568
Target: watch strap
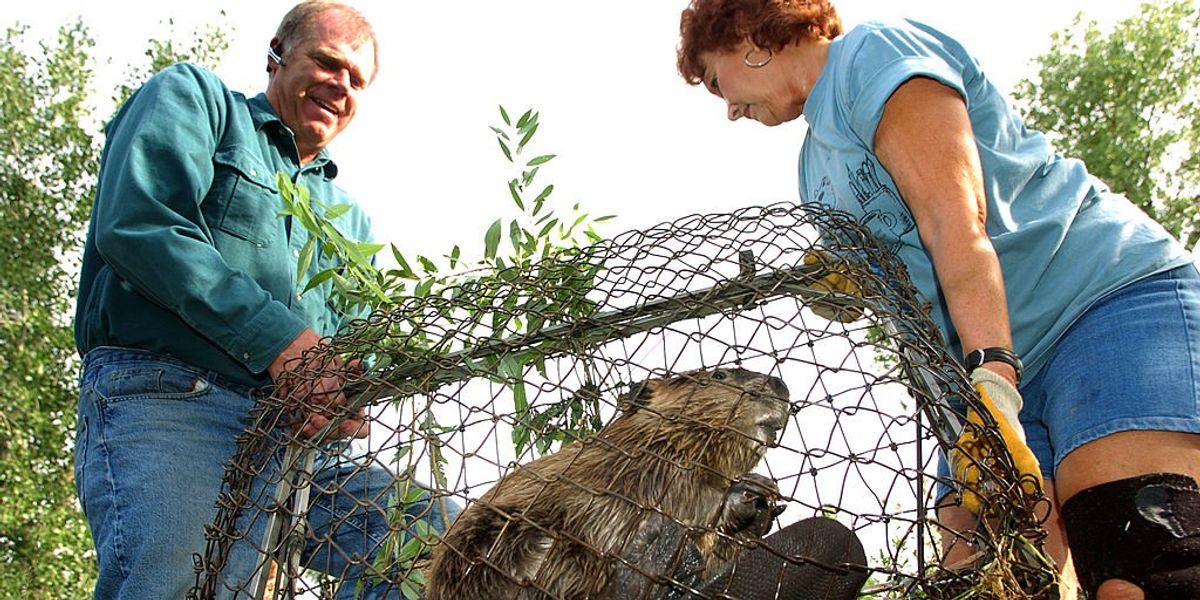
977, 357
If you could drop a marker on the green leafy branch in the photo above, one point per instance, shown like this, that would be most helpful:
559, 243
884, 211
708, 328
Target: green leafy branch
531, 275
355, 283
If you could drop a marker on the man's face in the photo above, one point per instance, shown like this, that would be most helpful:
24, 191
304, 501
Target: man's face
315, 90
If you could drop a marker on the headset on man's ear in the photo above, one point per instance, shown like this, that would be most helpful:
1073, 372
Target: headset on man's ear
273, 54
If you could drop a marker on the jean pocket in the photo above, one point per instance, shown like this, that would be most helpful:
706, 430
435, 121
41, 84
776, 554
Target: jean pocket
159, 381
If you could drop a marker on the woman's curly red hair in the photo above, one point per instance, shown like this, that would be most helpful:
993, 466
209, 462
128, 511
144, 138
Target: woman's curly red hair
717, 25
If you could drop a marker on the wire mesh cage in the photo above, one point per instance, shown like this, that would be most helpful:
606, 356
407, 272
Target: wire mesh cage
687, 411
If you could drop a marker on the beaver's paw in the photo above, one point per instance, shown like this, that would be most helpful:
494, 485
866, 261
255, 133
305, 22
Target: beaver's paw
751, 504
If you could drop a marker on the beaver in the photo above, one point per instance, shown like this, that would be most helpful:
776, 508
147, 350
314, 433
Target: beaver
633, 505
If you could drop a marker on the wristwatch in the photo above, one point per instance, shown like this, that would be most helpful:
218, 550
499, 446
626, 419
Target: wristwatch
981, 355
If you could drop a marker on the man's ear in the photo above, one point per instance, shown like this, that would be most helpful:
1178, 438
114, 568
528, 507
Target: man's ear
274, 55
638, 396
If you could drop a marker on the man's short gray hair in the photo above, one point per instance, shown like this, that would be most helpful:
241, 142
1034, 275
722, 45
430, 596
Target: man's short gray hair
297, 25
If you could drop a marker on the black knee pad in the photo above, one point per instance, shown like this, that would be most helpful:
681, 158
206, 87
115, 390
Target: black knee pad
1145, 530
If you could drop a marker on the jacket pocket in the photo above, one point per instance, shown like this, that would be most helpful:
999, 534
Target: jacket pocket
246, 196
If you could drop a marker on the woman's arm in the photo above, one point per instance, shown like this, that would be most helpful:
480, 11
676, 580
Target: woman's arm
925, 142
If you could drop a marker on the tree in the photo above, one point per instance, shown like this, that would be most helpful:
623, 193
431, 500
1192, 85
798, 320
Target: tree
48, 165
1127, 102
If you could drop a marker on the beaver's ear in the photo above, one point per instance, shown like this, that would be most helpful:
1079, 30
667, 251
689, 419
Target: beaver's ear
638, 396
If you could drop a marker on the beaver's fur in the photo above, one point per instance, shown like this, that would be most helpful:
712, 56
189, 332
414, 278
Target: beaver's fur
566, 524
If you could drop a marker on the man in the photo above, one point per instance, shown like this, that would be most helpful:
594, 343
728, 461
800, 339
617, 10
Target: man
189, 306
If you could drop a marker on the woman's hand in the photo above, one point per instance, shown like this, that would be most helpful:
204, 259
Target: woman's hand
973, 452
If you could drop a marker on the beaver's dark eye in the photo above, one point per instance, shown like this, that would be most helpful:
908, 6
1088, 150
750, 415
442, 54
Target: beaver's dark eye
719, 375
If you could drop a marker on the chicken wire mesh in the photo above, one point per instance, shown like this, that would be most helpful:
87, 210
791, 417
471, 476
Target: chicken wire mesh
629, 420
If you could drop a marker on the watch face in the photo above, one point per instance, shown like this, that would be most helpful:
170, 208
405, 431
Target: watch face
974, 359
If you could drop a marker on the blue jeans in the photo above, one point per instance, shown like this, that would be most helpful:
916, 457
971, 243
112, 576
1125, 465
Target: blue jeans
153, 439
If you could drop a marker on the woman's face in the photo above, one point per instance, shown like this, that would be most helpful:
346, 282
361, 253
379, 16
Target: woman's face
771, 94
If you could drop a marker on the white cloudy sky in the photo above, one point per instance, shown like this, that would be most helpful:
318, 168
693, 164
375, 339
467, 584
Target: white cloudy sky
632, 138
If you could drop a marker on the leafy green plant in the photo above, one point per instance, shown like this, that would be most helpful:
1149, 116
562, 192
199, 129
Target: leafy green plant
1126, 101
533, 246
48, 166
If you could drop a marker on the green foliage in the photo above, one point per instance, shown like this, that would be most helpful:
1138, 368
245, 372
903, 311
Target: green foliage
528, 243
48, 165
538, 232
46, 177
1127, 102
204, 46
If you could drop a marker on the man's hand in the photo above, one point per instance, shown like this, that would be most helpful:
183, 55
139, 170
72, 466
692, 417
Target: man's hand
315, 381
828, 306
1003, 401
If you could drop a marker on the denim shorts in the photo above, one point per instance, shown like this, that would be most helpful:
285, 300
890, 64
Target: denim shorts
152, 443
1131, 362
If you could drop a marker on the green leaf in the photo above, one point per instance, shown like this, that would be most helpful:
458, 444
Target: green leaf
412, 548
454, 254
520, 436
527, 176
504, 148
491, 241
427, 265
547, 228
423, 288
524, 120
605, 218
336, 211
515, 236
318, 279
368, 249
516, 196
520, 400
306, 254
541, 160
525, 140
578, 220
499, 132
405, 270
545, 194
504, 115
285, 185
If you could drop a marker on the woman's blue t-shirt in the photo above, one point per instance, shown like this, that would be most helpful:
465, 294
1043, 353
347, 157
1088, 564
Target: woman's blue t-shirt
1063, 239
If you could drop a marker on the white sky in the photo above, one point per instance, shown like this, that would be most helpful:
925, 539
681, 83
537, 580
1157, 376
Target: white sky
632, 138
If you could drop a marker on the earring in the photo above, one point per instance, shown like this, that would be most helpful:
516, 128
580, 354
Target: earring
760, 64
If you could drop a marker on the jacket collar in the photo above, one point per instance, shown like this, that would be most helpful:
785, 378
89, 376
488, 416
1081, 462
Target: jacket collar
262, 115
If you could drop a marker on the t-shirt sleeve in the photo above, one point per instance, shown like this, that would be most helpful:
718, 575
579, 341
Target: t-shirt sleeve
883, 59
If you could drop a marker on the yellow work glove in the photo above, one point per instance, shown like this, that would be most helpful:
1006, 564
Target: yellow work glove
828, 306
1003, 401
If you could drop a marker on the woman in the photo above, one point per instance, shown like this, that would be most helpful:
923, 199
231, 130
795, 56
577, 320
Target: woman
1022, 254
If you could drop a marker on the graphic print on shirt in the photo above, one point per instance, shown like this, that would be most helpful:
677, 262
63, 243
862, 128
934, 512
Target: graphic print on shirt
883, 211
